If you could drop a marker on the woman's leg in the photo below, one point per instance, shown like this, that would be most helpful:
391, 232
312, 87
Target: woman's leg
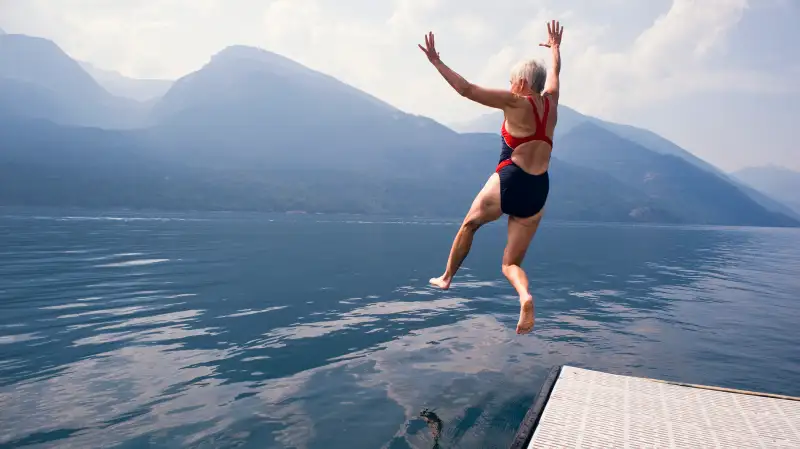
485, 208
520, 234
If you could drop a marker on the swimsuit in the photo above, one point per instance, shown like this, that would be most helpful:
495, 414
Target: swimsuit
522, 194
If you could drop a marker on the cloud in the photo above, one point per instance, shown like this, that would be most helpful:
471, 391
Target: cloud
677, 51
617, 56
671, 57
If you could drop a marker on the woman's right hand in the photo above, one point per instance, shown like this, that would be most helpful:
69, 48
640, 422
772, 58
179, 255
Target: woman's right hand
554, 33
430, 48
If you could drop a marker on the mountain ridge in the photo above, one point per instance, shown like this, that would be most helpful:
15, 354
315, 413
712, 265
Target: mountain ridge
684, 189
253, 130
48, 72
260, 111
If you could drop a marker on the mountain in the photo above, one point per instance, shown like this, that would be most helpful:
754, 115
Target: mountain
777, 182
53, 165
248, 132
46, 164
654, 142
142, 90
569, 118
267, 110
766, 201
252, 130
18, 98
685, 190
39, 80
583, 194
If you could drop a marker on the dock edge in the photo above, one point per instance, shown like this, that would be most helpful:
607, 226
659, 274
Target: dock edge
788, 436
534, 414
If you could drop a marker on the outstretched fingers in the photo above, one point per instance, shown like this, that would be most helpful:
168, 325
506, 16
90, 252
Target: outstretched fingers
554, 33
430, 46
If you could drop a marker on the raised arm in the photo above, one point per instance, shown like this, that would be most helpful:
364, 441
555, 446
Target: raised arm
554, 33
494, 98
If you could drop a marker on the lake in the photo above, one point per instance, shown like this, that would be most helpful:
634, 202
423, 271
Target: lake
137, 330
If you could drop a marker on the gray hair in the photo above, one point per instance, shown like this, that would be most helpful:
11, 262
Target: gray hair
531, 71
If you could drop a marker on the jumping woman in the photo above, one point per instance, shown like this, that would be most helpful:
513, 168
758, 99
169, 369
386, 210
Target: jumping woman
520, 184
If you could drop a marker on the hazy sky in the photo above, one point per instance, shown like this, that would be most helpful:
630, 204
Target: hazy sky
718, 77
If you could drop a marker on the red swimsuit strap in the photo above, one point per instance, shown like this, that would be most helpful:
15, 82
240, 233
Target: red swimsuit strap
541, 123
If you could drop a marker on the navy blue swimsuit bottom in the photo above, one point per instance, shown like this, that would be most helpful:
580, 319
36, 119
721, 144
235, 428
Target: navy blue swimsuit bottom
522, 194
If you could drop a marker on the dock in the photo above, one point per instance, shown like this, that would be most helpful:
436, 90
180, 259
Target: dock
579, 408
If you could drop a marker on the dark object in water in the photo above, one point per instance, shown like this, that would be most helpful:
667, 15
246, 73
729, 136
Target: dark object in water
434, 423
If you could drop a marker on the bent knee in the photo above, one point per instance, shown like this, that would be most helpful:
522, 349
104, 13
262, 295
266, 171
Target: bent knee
472, 223
508, 267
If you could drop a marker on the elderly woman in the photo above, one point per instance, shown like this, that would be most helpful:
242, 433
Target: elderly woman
520, 184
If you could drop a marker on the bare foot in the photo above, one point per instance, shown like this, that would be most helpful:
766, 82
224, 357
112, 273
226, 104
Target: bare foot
441, 282
525, 323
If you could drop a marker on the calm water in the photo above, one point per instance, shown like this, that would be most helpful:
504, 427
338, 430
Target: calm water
220, 330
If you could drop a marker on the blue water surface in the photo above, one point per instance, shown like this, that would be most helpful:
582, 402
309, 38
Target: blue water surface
136, 330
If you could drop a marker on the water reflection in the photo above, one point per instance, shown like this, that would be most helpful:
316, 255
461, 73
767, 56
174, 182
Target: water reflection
210, 332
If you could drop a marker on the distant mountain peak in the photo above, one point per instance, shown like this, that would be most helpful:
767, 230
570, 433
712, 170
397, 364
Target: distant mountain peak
2, 33
243, 51
241, 73
33, 42
41, 61
40, 80
255, 54
243, 58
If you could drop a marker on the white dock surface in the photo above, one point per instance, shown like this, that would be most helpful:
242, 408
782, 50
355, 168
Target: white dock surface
590, 409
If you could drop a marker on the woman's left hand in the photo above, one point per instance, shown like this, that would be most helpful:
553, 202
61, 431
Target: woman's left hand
430, 49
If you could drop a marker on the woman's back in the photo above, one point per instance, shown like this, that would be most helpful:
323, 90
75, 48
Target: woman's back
522, 126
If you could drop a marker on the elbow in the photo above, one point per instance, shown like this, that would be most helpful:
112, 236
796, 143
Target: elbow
465, 90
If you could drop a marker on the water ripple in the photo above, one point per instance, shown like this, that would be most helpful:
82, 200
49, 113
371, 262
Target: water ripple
271, 331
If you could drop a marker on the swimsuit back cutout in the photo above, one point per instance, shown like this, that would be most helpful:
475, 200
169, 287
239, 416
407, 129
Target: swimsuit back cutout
541, 127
